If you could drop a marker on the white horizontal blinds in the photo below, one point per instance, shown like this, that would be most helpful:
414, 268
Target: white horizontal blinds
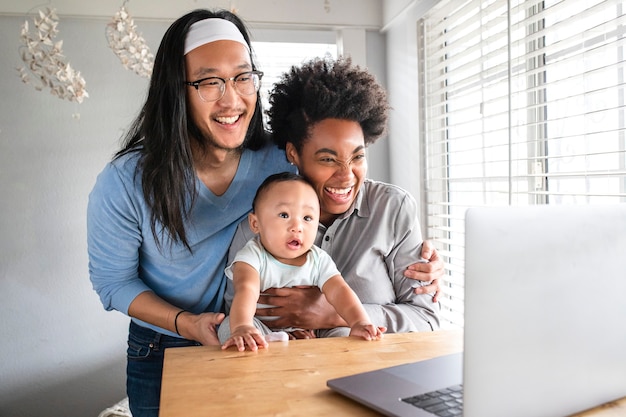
466, 126
523, 104
584, 159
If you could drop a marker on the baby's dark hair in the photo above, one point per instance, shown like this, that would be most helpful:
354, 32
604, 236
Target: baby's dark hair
276, 178
321, 89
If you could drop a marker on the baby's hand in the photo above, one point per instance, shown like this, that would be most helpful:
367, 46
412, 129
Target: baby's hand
245, 336
367, 331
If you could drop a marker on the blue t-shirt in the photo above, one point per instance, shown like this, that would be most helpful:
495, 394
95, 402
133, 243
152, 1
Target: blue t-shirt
124, 259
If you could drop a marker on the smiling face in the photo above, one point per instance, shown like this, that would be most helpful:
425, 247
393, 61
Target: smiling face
286, 217
333, 160
223, 122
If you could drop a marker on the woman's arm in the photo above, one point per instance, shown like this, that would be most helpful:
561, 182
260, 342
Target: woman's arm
410, 310
307, 308
304, 307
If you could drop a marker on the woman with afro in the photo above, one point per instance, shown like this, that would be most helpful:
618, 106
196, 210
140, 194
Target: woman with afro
324, 114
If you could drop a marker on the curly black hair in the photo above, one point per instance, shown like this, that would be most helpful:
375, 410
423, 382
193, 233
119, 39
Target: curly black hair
324, 88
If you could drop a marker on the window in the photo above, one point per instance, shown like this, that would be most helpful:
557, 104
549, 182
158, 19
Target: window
276, 58
523, 103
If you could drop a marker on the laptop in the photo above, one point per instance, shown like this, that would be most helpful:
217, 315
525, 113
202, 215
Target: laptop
545, 319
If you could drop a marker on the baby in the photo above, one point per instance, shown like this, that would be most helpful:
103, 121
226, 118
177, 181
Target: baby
285, 217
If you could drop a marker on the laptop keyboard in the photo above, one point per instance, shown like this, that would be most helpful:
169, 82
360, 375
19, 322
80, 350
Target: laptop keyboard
445, 402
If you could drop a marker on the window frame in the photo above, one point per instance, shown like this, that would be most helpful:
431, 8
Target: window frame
530, 58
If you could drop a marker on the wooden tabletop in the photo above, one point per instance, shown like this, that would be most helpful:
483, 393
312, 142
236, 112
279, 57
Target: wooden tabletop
289, 378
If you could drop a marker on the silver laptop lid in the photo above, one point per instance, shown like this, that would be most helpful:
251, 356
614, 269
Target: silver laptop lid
545, 309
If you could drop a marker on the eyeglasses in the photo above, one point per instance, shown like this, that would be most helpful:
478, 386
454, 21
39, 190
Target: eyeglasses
213, 88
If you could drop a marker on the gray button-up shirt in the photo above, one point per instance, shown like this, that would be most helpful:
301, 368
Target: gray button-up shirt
372, 244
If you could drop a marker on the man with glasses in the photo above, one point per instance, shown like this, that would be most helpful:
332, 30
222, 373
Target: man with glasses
163, 212
213, 88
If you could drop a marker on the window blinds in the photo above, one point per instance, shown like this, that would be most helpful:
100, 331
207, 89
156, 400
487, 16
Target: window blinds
522, 103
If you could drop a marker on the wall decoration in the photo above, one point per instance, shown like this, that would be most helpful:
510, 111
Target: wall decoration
128, 45
45, 64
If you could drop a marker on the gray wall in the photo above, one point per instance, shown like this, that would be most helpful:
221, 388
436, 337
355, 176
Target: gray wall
60, 350
62, 354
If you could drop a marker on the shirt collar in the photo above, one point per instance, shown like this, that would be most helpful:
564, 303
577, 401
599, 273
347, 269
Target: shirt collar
360, 204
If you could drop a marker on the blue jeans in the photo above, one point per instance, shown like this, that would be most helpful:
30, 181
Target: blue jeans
145, 366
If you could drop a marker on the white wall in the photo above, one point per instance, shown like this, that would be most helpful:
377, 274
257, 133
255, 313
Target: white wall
62, 354
298, 14
400, 18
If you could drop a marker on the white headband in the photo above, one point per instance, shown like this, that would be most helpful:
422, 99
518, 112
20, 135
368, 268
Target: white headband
211, 30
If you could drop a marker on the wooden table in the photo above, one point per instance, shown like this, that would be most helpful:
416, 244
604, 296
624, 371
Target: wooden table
289, 378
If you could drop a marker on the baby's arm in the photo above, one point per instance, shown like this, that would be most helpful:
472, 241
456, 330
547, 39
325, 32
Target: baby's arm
349, 307
247, 284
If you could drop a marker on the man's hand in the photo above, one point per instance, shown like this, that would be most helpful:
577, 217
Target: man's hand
430, 271
200, 327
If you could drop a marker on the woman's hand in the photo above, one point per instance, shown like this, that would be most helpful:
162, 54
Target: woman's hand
303, 306
430, 271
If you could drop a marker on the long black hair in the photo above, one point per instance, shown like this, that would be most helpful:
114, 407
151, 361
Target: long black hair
163, 132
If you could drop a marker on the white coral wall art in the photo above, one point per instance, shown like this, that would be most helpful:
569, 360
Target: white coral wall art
45, 65
128, 45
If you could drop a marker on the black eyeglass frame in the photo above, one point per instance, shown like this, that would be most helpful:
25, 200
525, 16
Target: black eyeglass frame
196, 84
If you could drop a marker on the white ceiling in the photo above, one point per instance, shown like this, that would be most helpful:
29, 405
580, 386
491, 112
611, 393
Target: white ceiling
275, 13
